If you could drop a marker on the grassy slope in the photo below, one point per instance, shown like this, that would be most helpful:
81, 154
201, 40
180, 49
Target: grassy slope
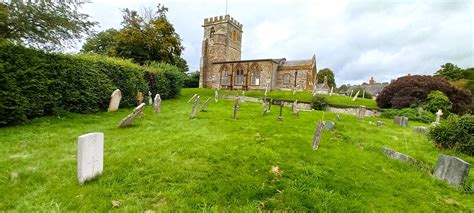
167, 161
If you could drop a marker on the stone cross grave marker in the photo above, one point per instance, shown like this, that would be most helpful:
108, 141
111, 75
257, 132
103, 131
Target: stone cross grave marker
236, 106
317, 134
132, 116
216, 96
338, 118
196, 103
361, 113
355, 96
150, 101
330, 93
90, 156
329, 125
139, 97
438, 115
157, 103
115, 100
451, 169
192, 98
203, 108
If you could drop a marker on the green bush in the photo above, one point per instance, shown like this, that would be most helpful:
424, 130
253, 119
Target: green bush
437, 100
192, 80
455, 133
319, 102
412, 114
165, 79
34, 83
361, 93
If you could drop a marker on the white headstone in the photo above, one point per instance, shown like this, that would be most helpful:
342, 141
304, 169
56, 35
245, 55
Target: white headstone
157, 103
438, 115
90, 156
332, 88
216, 96
351, 93
150, 101
115, 100
355, 96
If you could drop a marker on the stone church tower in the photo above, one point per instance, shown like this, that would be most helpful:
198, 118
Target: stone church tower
222, 42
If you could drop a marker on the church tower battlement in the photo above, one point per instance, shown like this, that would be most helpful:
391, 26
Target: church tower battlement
222, 41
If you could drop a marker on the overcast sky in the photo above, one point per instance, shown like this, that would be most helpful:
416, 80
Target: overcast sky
355, 39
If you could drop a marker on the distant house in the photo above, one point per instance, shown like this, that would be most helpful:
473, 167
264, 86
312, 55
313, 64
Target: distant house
322, 88
373, 88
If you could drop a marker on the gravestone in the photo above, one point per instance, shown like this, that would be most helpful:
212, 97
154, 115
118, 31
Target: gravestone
196, 103
294, 90
451, 169
404, 121
401, 121
280, 116
192, 98
420, 129
355, 96
266, 90
139, 97
157, 103
317, 134
380, 123
236, 106
90, 156
203, 108
114, 100
361, 113
294, 108
363, 94
150, 101
351, 93
132, 116
329, 125
264, 103
338, 118
330, 93
270, 105
216, 96
438, 118
397, 155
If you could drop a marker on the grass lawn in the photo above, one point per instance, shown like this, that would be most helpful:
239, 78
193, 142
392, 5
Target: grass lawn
335, 100
168, 162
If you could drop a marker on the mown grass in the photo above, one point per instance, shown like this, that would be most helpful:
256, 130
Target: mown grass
167, 161
302, 96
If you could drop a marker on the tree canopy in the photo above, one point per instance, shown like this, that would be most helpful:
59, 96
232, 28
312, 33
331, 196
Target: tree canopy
144, 38
329, 74
450, 71
49, 25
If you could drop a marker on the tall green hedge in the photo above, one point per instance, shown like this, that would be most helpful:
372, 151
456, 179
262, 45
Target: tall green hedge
165, 79
34, 83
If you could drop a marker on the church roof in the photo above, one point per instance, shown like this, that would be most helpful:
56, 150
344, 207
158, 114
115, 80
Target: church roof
298, 62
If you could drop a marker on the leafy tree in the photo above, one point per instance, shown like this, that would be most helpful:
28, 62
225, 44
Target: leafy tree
329, 74
49, 25
437, 100
413, 90
103, 43
450, 71
343, 88
192, 80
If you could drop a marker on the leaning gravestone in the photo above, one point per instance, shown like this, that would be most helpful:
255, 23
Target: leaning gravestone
338, 118
114, 100
420, 129
451, 169
380, 123
157, 103
329, 125
203, 108
361, 113
132, 116
317, 134
236, 106
216, 96
355, 96
280, 116
192, 98
401, 121
90, 156
264, 105
140, 97
397, 155
196, 103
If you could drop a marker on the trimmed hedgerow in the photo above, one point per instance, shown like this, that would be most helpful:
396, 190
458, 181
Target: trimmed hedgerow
455, 133
165, 79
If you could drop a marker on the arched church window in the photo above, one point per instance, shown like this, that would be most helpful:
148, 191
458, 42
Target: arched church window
212, 32
286, 79
224, 76
255, 75
239, 76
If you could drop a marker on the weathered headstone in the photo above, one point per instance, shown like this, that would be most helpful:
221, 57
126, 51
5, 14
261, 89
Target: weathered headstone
280, 116
203, 108
397, 155
329, 125
114, 100
266, 90
401, 121
404, 121
380, 123
139, 97
157, 103
420, 129
150, 101
317, 134
132, 116
451, 169
216, 96
264, 103
438, 115
294, 107
361, 113
270, 104
330, 93
192, 98
90, 156
355, 96
363, 94
351, 93
196, 103
338, 118
236, 106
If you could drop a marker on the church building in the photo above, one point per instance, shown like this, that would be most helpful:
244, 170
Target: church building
223, 68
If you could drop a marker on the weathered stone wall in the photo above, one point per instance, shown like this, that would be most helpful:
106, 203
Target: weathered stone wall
301, 79
214, 75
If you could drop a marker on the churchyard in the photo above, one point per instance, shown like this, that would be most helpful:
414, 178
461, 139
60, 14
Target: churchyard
186, 156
